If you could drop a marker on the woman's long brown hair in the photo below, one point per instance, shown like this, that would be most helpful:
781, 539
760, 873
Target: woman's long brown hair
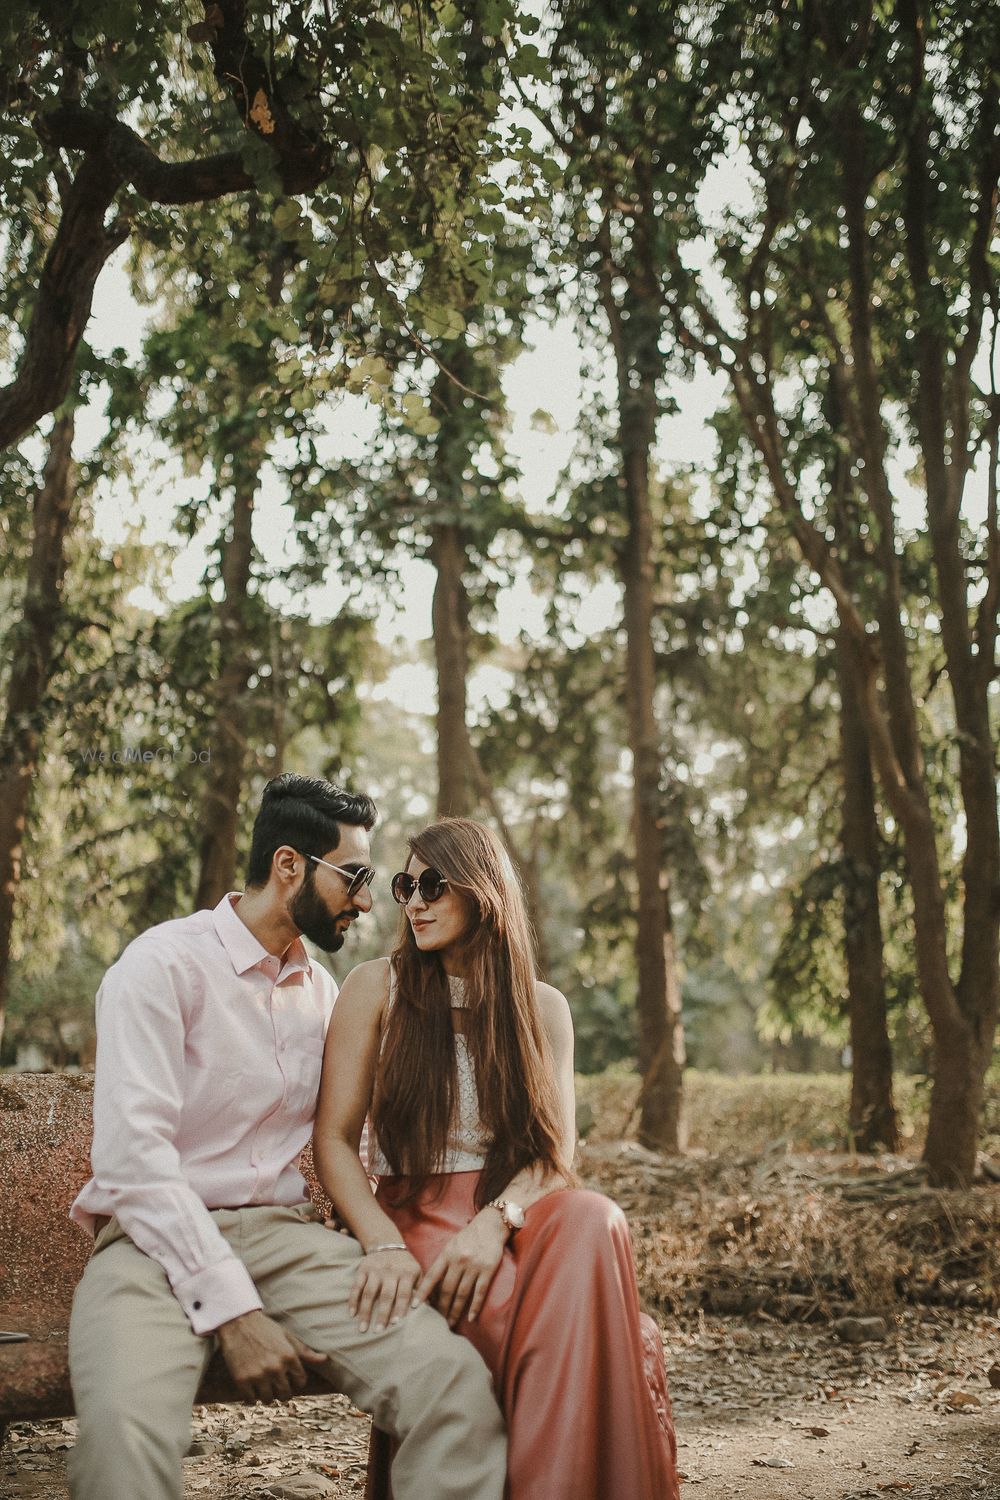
415, 1086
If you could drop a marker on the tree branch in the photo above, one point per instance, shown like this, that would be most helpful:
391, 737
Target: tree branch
73, 128
76, 256
116, 155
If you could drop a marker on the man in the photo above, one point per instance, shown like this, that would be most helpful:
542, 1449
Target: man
210, 1035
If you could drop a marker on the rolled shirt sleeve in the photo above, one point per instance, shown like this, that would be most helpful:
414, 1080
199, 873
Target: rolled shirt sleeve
138, 1099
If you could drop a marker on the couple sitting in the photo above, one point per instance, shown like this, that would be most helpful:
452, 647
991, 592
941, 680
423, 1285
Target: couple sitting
211, 1033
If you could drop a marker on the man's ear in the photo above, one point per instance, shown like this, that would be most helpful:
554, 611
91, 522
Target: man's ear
285, 863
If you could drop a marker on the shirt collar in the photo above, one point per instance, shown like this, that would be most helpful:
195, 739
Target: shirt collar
247, 952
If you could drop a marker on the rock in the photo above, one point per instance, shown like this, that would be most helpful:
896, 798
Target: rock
960, 1400
860, 1330
305, 1485
728, 1300
202, 1447
993, 1376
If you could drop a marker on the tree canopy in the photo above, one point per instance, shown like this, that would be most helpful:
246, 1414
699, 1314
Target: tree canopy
752, 797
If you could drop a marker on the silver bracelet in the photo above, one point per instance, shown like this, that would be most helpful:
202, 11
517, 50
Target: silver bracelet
395, 1245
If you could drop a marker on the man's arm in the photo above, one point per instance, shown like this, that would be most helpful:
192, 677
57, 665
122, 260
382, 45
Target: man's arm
138, 1097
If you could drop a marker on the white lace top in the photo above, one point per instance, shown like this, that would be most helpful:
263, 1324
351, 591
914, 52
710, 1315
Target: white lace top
466, 1144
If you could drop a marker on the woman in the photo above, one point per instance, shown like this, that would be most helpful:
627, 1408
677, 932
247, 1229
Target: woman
465, 1062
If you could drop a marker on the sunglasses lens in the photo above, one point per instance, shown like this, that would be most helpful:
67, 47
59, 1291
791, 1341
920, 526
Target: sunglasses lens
431, 885
358, 879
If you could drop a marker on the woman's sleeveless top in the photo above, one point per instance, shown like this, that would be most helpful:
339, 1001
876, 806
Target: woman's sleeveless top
466, 1150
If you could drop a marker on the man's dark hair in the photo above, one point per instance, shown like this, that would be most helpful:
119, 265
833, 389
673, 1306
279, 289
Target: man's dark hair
305, 813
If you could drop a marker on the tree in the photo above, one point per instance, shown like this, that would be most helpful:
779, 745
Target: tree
31, 645
217, 358
783, 637
865, 266
363, 116
611, 130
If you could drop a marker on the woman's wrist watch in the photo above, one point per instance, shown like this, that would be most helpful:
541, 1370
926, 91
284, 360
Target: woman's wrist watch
511, 1213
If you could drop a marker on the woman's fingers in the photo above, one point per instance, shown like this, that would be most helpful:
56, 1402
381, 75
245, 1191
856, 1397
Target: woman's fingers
379, 1297
357, 1287
387, 1296
447, 1285
455, 1290
482, 1286
463, 1292
445, 1297
405, 1299
395, 1298
431, 1277
373, 1284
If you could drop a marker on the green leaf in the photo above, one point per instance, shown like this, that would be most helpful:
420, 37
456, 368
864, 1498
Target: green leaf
443, 322
285, 214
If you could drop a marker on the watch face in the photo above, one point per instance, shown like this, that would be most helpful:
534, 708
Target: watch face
514, 1215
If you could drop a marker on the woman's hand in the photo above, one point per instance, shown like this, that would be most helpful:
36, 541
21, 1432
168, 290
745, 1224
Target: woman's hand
463, 1271
384, 1285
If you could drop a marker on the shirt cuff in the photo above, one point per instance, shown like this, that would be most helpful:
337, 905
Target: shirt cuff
216, 1294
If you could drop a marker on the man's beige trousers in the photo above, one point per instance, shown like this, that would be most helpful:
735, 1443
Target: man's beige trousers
136, 1365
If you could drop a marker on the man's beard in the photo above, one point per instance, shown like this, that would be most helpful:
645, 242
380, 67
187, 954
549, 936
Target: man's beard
314, 920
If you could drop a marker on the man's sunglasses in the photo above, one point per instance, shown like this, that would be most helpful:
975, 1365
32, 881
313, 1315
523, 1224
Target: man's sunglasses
430, 883
355, 878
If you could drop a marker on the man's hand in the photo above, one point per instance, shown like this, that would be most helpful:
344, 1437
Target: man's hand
463, 1271
266, 1361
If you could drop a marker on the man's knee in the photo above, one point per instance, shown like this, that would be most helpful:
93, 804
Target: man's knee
122, 1454
452, 1376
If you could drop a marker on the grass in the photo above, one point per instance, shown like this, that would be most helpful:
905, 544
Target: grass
748, 1114
769, 1211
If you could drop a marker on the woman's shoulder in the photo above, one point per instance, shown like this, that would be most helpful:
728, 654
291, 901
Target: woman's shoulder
548, 996
553, 1007
366, 986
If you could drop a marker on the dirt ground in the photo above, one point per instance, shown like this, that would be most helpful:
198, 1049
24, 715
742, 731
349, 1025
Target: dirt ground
770, 1402
763, 1411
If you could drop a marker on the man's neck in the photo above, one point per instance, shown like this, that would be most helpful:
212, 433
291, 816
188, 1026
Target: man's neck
270, 924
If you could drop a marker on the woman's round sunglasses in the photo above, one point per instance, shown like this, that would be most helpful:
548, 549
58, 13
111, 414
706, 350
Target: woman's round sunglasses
430, 883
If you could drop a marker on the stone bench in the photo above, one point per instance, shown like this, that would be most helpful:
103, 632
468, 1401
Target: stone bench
45, 1131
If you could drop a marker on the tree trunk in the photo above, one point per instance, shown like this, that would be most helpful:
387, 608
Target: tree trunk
227, 742
872, 1118
635, 324
450, 614
32, 641
661, 1037
965, 1019
960, 1063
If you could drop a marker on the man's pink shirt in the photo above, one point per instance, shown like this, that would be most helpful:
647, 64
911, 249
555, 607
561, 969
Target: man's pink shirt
209, 1054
